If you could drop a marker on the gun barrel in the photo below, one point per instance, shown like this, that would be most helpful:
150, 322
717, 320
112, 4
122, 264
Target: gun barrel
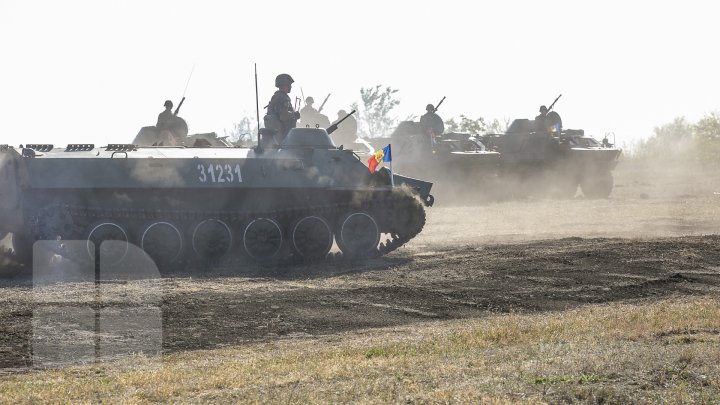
177, 110
332, 128
438, 104
553, 103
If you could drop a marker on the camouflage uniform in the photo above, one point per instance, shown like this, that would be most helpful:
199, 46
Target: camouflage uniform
308, 113
166, 126
281, 116
431, 123
165, 120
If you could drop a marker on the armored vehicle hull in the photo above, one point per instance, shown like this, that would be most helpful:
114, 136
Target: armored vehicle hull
555, 164
456, 162
204, 205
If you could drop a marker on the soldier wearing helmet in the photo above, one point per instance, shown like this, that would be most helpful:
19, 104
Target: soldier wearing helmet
431, 123
308, 113
165, 125
310, 116
548, 121
281, 116
541, 120
346, 133
166, 117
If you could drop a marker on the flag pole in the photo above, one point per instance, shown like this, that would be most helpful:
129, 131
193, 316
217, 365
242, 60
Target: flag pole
392, 176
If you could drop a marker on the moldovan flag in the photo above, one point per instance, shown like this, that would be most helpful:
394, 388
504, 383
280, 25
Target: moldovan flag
382, 155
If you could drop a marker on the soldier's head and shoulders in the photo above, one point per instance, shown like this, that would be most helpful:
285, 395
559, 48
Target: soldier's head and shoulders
309, 109
283, 82
430, 112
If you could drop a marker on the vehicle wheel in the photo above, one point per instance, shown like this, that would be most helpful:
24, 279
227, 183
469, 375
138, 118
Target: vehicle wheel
107, 231
597, 186
358, 235
312, 237
212, 239
163, 242
263, 239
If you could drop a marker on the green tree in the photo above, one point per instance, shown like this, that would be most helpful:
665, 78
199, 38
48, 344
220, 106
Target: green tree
672, 140
707, 138
374, 116
242, 132
474, 126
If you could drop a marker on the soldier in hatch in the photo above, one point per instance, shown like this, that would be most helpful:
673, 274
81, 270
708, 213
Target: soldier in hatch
165, 125
548, 122
281, 116
346, 133
309, 116
308, 113
541, 120
431, 123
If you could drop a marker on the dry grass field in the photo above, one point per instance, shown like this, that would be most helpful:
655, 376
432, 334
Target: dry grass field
531, 301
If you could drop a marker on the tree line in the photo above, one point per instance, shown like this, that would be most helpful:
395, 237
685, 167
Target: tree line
683, 140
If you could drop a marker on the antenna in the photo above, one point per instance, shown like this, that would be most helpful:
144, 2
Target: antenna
257, 105
188, 81
177, 109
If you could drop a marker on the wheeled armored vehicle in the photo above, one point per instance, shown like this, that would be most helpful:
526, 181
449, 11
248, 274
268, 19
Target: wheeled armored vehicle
555, 163
207, 204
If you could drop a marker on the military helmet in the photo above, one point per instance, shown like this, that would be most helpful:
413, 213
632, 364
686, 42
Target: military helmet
168, 103
430, 107
543, 109
309, 100
283, 79
342, 113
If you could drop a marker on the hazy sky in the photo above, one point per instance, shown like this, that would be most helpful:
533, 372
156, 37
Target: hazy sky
97, 71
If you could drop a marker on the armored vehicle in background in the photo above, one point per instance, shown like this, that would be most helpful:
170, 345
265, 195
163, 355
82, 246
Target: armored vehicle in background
149, 136
536, 162
205, 204
448, 158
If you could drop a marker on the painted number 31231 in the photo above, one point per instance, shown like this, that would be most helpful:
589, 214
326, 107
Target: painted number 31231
218, 173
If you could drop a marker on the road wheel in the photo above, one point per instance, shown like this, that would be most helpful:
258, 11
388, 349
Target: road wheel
312, 237
107, 231
163, 242
358, 234
211, 239
263, 239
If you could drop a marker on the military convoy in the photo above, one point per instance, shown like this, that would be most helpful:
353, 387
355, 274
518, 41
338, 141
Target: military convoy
522, 162
206, 204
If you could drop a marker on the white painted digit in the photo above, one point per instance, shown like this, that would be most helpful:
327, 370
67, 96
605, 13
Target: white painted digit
221, 173
230, 177
211, 170
203, 176
237, 171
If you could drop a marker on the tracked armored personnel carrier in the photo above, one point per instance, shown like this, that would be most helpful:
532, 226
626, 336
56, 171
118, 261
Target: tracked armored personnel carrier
201, 205
555, 163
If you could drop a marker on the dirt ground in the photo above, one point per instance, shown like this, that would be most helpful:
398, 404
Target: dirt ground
656, 237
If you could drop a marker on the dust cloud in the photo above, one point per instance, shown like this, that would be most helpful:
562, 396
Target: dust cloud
650, 199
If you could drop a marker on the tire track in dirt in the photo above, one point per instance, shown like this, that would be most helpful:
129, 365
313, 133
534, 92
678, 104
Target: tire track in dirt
408, 286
